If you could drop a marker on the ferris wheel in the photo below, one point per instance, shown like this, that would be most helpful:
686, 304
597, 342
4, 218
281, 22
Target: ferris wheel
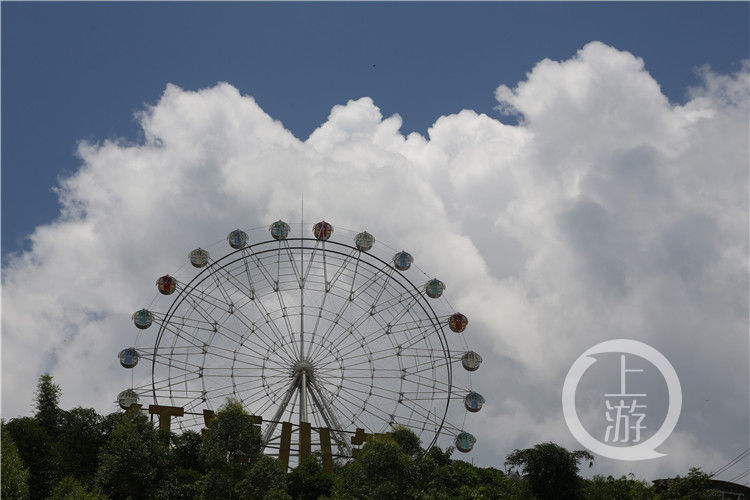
307, 329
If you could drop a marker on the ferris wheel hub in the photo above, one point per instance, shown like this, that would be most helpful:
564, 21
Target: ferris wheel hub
303, 366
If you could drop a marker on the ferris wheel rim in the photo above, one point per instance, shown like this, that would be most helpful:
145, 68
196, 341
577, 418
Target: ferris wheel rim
298, 244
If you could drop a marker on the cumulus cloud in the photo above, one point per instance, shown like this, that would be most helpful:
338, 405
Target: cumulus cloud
606, 212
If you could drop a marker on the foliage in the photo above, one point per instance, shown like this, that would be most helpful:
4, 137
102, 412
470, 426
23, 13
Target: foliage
266, 475
15, 475
695, 486
48, 412
133, 461
187, 451
220, 482
550, 469
624, 488
407, 440
309, 480
122, 456
180, 484
79, 438
232, 437
382, 471
38, 452
69, 488
232, 444
443, 478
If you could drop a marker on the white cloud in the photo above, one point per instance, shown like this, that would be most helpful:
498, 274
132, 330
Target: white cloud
607, 212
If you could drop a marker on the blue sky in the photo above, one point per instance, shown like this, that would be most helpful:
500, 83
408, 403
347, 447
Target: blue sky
609, 202
73, 71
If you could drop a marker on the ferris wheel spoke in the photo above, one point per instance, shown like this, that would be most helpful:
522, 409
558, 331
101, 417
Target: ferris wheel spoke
386, 392
381, 330
352, 295
168, 386
214, 347
354, 280
285, 315
399, 348
217, 391
319, 316
382, 416
340, 271
278, 268
342, 331
237, 283
329, 417
439, 383
312, 258
392, 302
204, 349
263, 271
349, 349
224, 293
368, 314
417, 378
409, 404
389, 276
376, 276
351, 416
372, 389
184, 335
253, 327
170, 364
333, 326
198, 308
250, 281
261, 308
271, 393
266, 404
185, 321
322, 342
298, 274
258, 394
281, 409
201, 296
412, 301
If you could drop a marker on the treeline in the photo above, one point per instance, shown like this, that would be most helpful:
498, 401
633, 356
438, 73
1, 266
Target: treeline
79, 455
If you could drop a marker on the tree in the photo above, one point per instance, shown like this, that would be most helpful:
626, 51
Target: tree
494, 484
443, 478
185, 469
407, 440
38, 452
232, 445
695, 486
48, 412
309, 480
187, 451
180, 484
15, 475
382, 471
266, 475
624, 488
70, 489
133, 462
551, 470
232, 436
79, 438
433, 473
